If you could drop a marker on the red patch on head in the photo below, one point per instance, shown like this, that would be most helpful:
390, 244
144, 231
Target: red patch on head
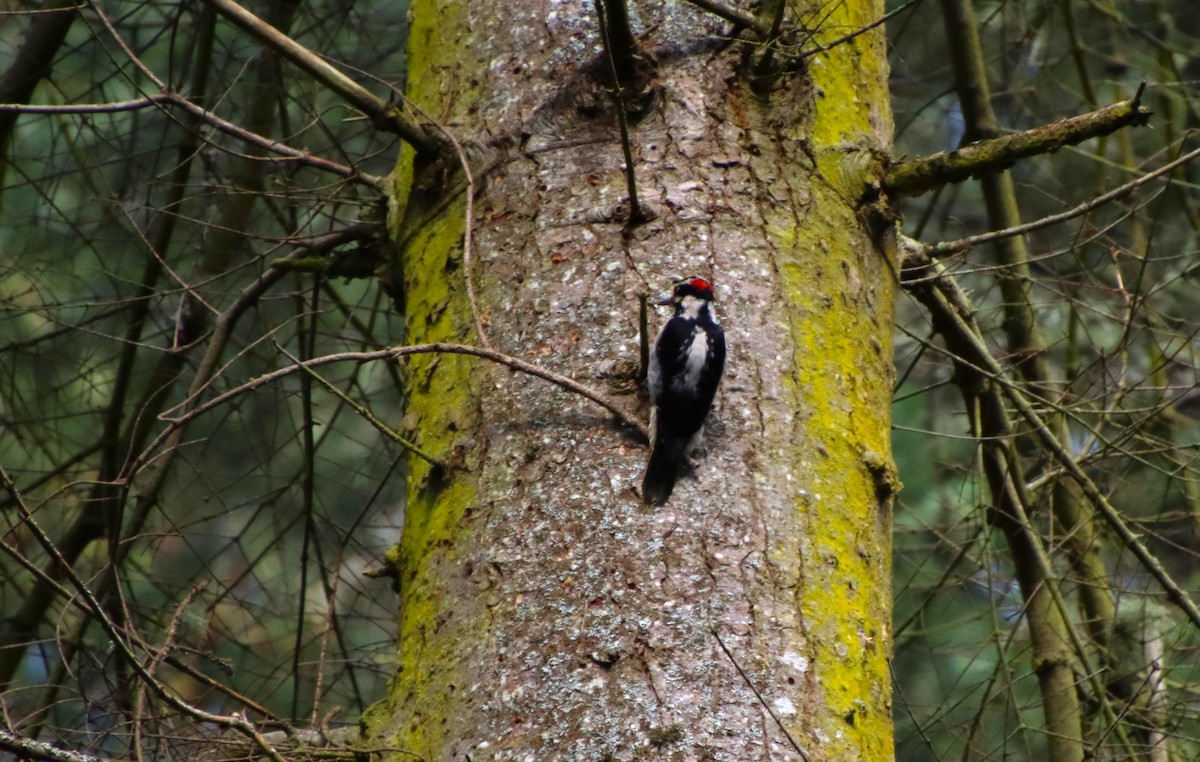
701, 285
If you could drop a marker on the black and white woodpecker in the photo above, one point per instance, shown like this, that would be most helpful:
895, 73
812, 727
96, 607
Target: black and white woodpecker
685, 369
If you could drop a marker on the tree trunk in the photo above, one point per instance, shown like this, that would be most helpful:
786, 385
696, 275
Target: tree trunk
546, 613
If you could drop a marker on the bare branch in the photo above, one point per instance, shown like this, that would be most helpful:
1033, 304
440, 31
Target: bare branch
385, 116
170, 96
982, 360
636, 215
295, 154
362, 410
732, 15
31, 63
950, 247
822, 47
392, 353
1049, 619
234, 722
85, 108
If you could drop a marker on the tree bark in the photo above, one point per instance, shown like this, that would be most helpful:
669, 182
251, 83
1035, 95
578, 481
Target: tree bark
545, 612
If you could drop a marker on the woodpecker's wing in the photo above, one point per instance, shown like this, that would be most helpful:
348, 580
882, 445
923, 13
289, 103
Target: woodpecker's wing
690, 358
671, 352
714, 362
654, 375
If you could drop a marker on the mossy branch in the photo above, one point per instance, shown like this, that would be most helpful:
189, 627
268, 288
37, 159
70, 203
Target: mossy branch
384, 115
30, 748
912, 178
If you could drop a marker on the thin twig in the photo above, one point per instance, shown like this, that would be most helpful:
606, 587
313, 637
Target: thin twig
635, 210
318, 691
168, 643
169, 96
732, 15
469, 214
234, 722
217, 686
761, 700
991, 367
468, 227
189, 412
762, 70
822, 47
295, 154
643, 337
306, 337
222, 332
156, 658
952, 316
950, 247
363, 411
84, 108
1112, 516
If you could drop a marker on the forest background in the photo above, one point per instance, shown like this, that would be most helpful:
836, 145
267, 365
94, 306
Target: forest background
257, 546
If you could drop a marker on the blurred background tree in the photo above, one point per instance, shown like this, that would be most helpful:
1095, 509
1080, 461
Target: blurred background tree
1094, 321
142, 246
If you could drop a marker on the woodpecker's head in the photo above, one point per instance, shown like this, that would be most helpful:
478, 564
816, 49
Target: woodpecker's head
690, 296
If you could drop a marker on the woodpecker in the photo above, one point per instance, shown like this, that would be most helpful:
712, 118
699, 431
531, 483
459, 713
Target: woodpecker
685, 369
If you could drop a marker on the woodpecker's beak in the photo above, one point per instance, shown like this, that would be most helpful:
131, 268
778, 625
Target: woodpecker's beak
668, 299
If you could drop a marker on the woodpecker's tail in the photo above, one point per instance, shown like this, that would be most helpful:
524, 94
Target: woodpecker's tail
665, 459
